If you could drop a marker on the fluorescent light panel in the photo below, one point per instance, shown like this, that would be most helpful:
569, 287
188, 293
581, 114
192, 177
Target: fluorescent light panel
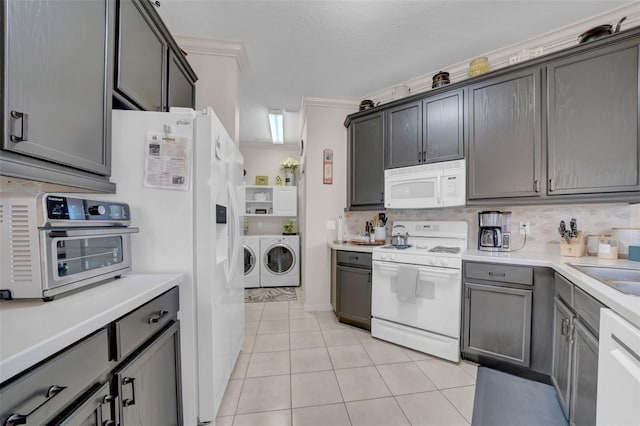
276, 124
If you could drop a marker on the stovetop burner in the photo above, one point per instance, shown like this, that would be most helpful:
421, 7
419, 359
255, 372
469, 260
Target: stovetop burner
442, 249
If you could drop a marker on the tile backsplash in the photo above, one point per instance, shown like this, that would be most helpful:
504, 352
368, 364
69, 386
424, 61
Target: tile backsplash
543, 220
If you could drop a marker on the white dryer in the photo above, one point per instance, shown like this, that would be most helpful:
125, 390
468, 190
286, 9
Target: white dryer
251, 246
280, 260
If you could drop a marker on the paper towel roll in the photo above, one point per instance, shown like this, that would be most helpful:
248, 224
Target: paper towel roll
339, 236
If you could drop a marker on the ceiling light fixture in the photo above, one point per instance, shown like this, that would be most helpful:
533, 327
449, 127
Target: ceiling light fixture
276, 124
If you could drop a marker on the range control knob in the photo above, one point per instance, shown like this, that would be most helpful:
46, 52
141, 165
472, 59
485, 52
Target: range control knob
97, 210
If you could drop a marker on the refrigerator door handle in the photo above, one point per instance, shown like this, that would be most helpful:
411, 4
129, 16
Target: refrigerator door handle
236, 230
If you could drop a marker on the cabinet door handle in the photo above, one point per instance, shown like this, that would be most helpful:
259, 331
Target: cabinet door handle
54, 390
424, 156
564, 327
496, 274
15, 420
551, 189
132, 401
536, 185
154, 319
24, 124
382, 197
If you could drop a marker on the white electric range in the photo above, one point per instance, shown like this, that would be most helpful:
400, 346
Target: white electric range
416, 291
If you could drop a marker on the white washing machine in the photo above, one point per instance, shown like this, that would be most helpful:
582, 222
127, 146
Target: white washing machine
279, 261
251, 245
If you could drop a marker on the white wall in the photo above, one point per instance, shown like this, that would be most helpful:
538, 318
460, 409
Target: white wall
264, 160
323, 121
217, 63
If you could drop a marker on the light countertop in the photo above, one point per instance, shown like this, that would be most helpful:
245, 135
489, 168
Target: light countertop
353, 247
32, 330
628, 306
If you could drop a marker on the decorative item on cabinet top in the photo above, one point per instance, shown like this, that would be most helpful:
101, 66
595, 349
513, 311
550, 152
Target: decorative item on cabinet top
262, 180
327, 167
289, 165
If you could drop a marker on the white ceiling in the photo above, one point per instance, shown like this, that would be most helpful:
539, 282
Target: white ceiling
353, 48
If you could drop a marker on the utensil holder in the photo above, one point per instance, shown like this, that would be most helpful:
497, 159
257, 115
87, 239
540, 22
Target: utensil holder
575, 247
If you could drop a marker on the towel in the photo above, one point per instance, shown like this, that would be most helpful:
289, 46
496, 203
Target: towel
406, 283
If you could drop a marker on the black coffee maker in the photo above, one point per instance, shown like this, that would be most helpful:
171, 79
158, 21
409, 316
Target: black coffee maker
494, 231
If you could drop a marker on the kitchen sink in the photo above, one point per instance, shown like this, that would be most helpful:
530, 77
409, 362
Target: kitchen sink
624, 280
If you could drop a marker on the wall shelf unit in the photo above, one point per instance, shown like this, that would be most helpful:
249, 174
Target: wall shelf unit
269, 201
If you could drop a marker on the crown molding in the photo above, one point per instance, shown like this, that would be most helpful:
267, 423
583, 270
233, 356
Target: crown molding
550, 42
215, 47
349, 104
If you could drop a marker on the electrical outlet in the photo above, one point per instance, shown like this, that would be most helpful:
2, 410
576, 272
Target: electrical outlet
524, 228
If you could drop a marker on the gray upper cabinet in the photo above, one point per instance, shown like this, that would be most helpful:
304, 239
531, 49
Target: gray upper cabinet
443, 123
366, 163
151, 71
425, 131
593, 121
404, 135
141, 59
504, 139
180, 89
57, 93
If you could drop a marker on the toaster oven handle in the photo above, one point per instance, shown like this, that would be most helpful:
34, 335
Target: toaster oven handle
91, 232
438, 189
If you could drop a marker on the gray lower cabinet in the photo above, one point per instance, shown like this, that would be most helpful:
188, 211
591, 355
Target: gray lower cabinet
42, 394
497, 323
106, 379
365, 190
575, 352
148, 385
593, 143
585, 377
56, 112
353, 288
563, 323
504, 138
96, 410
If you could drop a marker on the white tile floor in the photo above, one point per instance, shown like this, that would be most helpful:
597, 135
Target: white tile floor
302, 368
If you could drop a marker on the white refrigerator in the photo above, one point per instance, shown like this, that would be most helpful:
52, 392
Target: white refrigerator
195, 230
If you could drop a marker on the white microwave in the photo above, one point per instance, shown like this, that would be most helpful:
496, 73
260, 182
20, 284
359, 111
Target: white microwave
426, 186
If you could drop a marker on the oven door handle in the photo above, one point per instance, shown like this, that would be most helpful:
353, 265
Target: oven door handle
422, 270
432, 271
95, 232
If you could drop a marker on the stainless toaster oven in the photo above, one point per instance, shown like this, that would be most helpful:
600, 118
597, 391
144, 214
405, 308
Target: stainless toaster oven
55, 243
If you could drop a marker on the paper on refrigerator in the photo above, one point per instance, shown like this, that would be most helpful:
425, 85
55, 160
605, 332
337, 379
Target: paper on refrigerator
167, 161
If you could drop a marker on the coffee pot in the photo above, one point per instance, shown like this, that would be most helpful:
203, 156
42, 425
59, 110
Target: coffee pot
494, 231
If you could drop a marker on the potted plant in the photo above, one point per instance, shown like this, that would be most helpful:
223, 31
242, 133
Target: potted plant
289, 165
